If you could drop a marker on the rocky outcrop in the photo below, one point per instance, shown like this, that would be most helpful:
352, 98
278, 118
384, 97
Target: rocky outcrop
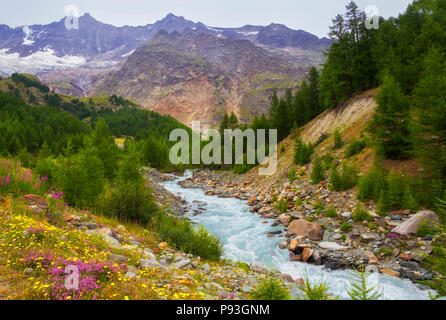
411, 225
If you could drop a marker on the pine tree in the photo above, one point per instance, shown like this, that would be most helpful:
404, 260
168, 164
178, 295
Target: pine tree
409, 201
430, 101
314, 92
394, 192
317, 173
381, 207
337, 139
45, 151
335, 178
390, 124
224, 124
359, 288
302, 152
300, 107
106, 149
233, 121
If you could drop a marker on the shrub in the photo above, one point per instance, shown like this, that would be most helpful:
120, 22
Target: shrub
82, 179
273, 198
441, 206
381, 207
128, 201
346, 227
317, 173
409, 202
303, 152
282, 205
394, 190
302, 172
315, 291
292, 175
335, 178
428, 228
327, 160
346, 180
319, 206
270, 289
331, 212
355, 147
361, 214
48, 167
371, 184
338, 143
372, 226
181, 234
298, 202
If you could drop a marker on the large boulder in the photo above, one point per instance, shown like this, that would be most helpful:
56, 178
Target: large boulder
410, 226
305, 229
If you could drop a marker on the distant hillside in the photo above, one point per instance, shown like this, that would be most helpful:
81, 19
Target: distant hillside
199, 77
350, 118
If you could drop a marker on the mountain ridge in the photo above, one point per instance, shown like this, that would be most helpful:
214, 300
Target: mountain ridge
101, 42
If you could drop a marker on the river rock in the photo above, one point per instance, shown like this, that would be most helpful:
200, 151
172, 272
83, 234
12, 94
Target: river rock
390, 272
410, 226
283, 244
317, 258
284, 219
306, 229
293, 245
307, 253
332, 246
371, 268
368, 236
372, 258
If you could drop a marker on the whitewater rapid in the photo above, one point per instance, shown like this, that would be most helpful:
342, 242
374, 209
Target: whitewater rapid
244, 238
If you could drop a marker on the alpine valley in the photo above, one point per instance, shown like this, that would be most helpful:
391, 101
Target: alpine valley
175, 66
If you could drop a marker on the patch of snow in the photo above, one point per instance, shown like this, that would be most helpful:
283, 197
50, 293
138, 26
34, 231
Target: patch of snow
28, 33
249, 33
127, 54
39, 61
213, 29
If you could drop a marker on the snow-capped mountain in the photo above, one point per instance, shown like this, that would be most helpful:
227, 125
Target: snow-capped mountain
42, 48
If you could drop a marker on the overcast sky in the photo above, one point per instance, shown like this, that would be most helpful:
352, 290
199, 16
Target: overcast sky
313, 16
